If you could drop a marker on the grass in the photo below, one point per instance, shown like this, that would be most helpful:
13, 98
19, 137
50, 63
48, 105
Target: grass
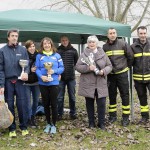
74, 134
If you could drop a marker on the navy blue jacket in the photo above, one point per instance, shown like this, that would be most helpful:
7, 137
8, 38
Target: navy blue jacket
9, 62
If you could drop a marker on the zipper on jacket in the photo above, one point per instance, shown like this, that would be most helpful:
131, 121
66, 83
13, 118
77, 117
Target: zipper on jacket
142, 63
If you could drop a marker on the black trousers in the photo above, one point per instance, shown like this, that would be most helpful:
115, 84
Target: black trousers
101, 106
121, 82
49, 98
141, 89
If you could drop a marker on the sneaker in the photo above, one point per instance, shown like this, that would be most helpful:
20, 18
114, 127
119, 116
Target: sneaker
53, 130
12, 134
125, 121
47, 128
25, 132
112, 119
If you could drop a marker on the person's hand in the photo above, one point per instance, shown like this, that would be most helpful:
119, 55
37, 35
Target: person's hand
101, 72
1, 91
92, 67
33, 69
50, 71
24, 76
44, 79
59, 77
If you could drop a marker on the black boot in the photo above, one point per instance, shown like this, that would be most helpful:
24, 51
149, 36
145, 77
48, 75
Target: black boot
112, 117
92, 125
125, 121
33, 122
144, 119
101, 126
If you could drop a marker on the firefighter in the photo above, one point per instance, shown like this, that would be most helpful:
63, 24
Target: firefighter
121, 57
141, 70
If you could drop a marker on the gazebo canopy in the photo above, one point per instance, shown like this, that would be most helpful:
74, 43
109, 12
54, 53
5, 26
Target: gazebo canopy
36, 24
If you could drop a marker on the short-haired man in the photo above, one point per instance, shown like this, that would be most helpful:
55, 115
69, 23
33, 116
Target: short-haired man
10, 70
141, 70
69, 56
121, 57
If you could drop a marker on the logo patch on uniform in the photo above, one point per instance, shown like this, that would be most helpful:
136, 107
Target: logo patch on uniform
42, 57
18, 54
53, 57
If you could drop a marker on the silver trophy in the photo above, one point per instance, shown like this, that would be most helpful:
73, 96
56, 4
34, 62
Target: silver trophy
48, 66
23, 63
90, 61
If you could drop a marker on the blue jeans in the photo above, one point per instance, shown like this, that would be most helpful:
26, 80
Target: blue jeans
32, 102
71, 93
12, 89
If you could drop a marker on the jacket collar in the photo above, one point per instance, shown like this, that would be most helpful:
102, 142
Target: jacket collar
114, 42
138, 43
98, 55
13, 45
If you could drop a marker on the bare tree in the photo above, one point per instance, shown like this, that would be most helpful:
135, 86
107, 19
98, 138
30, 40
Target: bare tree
122, 11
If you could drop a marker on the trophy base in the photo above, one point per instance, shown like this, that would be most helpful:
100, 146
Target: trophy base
50, 79
19, 77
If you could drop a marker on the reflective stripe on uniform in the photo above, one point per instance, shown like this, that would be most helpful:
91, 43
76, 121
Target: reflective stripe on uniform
141, 54
126, 107
112, 108
127, 112
124, 70
141, 77
115, 52
145, 108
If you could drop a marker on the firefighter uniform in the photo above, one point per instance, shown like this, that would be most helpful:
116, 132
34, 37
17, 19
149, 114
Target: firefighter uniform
141, 74
121, 57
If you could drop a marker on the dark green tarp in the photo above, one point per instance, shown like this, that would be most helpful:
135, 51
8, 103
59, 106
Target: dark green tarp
36, 24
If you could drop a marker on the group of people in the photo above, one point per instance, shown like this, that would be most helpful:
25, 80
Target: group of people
50, 70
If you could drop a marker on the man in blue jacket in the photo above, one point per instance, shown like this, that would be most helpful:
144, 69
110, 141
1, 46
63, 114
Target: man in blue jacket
10, 70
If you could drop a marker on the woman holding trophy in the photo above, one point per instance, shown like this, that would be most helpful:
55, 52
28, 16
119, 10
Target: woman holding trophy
94, 65
49, 66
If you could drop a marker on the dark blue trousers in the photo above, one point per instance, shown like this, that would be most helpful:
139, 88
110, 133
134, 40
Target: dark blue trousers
16, 91
71, 93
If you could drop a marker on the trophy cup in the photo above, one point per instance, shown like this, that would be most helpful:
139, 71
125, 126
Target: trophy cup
48, 66
90, 61
23, 63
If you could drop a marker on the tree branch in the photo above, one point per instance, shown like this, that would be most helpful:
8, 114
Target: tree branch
90, 8
109, 9
99, 14
124, 13
113, 9
118, 11
74, 5
143, 14
53, 4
